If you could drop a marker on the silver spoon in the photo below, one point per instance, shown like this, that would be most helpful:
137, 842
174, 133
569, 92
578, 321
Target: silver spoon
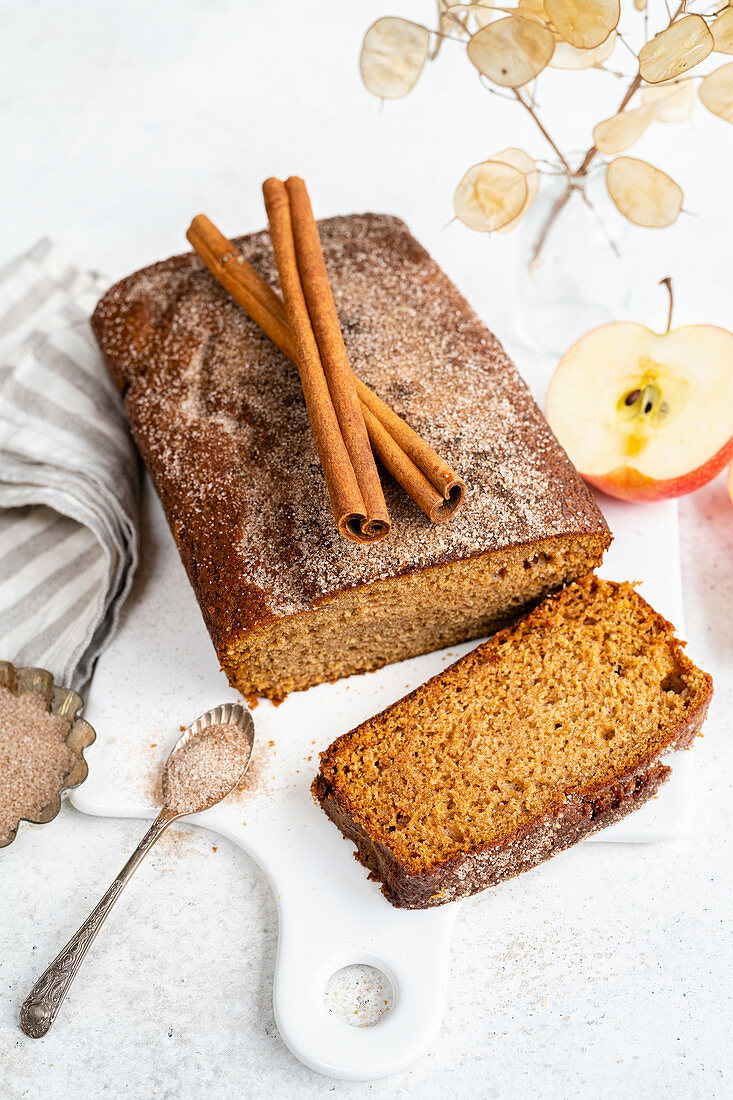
44, 1000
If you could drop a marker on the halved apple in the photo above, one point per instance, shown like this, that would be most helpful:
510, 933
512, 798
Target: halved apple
646, 416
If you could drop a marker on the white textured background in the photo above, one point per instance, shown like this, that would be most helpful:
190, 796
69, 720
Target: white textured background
609, 969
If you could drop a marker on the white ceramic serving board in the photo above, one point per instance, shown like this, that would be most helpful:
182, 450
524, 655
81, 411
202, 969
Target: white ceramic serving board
161, 672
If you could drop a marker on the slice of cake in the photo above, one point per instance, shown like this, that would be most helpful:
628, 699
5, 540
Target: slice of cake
550, 731
219, 417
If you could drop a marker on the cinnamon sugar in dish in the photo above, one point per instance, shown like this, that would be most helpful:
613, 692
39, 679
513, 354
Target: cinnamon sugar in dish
205, 768
34, 757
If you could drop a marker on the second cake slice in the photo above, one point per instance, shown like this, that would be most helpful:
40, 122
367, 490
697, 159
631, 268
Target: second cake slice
551, 730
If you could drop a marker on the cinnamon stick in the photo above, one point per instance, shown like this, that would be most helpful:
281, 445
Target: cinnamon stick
328, 387
412, 462
227, 264
438, 490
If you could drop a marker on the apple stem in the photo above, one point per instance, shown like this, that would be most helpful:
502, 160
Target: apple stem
668, 283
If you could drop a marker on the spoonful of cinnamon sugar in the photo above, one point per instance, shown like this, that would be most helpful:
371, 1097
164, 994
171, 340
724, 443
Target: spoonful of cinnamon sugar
207, 762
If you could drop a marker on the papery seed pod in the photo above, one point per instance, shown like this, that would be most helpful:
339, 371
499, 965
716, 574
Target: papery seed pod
642, 193
675, 50
584, 23
618, 133
393, 55
490, 195
511, 51
672, 101
716, 92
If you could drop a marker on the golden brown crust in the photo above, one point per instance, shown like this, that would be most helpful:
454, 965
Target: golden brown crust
218, 416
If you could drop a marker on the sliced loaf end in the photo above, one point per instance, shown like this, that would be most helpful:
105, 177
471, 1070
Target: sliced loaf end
551, 730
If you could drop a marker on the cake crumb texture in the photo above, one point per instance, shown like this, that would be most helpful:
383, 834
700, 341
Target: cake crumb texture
547, 732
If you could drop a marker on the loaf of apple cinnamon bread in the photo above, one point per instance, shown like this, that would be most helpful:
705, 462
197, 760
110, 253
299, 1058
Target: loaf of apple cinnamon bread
218, 415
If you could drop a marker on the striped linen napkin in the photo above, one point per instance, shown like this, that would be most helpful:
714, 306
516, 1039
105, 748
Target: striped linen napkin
69, 474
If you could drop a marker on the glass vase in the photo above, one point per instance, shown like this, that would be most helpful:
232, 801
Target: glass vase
573, 271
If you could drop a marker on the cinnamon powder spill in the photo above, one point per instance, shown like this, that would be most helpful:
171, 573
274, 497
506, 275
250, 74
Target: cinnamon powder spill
34, 757
205, 768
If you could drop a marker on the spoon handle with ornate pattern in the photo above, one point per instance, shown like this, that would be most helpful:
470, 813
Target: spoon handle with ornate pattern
44, 1000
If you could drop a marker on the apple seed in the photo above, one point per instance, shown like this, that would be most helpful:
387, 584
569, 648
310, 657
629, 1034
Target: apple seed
643, 401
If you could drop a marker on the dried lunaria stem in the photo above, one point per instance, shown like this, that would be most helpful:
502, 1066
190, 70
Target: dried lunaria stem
513, 43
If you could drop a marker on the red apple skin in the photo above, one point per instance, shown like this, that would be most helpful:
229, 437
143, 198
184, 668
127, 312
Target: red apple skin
626, 483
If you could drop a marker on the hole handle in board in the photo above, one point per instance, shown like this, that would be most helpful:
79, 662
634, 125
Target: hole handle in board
322, 932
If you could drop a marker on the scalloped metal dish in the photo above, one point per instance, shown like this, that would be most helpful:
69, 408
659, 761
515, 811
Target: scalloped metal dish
68, 704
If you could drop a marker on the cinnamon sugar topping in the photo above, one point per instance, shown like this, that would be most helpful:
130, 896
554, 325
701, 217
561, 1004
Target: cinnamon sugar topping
34, 757
208, 392
205, 768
